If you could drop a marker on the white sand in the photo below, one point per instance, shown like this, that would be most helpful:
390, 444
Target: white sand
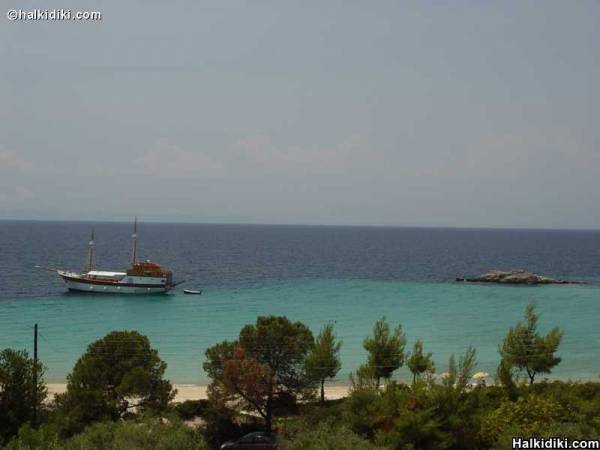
198, 391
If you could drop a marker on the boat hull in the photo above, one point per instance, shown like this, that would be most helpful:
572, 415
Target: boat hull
80, 284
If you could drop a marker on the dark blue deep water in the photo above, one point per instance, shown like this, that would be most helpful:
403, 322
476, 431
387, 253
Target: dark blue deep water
250, 255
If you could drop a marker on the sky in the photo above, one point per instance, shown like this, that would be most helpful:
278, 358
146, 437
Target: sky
424, 113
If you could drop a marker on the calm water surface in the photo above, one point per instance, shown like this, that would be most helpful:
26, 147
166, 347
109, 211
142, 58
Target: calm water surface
349, 275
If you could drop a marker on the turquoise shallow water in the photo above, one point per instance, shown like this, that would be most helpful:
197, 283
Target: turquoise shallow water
447, 316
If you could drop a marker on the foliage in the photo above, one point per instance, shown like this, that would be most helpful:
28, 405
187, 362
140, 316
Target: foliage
323, 360
324, 436
424, 415
118, 374
569, 431
312, 413
417, 429
364, 379
266, 364
451, 415
282, 346
363, 405
251, 380
159, 434
191, 408
216, 357
507, 378
529, 414
459, 376
28, 438
398, 416
19, 390
419, 363
386, 349
580, 400
127, 435
222, 424
524, 348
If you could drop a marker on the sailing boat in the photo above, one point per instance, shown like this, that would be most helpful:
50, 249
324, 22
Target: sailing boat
142, 277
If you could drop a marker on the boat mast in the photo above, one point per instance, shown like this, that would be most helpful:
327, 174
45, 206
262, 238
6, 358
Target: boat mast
134, 237
90, 256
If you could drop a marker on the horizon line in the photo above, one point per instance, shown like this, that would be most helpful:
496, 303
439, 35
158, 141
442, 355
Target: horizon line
294, 224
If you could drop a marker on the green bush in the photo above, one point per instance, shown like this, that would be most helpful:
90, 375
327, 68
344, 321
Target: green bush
332, 411
29, 438
529, 414
580, 400
224, 424
190, 408
324, 436
124, 435
562, 430
129, 435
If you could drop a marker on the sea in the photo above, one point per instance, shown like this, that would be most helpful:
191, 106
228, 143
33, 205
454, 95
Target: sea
348, 276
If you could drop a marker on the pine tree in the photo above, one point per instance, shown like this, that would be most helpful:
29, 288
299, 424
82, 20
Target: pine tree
417, 362
323, 361
386, 349
527, 350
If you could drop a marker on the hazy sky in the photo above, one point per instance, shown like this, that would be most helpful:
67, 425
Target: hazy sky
358, 112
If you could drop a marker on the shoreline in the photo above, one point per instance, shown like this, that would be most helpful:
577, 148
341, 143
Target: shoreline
199, 391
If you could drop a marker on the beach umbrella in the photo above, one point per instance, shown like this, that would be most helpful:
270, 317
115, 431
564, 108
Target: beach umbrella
480, 375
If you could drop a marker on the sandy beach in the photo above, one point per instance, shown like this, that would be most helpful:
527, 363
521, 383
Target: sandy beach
198, 391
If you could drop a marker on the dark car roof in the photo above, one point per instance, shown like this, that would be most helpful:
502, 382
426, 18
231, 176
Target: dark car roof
271, 436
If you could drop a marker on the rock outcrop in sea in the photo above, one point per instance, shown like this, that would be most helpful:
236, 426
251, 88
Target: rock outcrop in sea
519, 276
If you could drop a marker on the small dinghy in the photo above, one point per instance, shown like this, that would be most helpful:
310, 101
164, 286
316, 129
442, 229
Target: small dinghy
192, 292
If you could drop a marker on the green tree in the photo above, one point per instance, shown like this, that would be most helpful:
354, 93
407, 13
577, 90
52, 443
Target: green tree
21, 387
524, 348
459, 375
265, 365
116, 374
215, 360
505, 376
323, 360
364, 379
386, 349
419, 363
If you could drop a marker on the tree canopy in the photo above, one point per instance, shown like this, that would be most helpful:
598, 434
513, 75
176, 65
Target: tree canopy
21, 387
459, 375
323, 360
265, 364
386, 349
116, 374
527, 350
418, 362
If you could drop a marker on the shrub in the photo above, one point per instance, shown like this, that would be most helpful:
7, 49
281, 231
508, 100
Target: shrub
129, 435
562, 430
324, 436
29, 438
529, 414
189, 409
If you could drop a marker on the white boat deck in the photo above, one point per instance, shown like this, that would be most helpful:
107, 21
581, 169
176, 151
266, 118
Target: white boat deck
106, 274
